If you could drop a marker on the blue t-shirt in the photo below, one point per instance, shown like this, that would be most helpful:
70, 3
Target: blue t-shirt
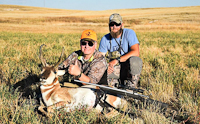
129, 39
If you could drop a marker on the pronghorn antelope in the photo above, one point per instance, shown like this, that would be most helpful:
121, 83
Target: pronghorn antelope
55, 96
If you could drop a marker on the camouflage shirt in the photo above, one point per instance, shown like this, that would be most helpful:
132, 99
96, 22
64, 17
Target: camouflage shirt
94, 68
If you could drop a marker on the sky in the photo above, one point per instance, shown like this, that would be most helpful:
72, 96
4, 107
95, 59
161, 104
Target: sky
97, 5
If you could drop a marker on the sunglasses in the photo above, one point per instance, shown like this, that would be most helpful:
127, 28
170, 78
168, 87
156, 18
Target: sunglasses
83, 43
114, 23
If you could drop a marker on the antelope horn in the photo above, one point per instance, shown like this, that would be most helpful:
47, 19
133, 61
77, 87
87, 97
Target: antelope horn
60, 59
41, 56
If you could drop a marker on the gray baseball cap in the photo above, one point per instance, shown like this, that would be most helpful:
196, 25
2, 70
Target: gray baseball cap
115, 17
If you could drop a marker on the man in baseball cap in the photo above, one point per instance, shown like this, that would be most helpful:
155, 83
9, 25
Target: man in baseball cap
86, 64
122, 47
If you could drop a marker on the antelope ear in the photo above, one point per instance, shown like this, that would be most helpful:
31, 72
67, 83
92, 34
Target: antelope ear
60, 72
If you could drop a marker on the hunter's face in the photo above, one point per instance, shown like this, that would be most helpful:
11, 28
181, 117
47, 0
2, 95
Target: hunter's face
115, 29
88, 47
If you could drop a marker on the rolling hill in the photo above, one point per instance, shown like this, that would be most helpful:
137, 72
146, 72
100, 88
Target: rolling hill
45, 20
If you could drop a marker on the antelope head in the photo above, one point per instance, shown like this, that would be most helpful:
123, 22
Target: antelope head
50, 72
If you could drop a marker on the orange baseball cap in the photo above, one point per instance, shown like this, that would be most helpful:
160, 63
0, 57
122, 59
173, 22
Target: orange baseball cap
89, 35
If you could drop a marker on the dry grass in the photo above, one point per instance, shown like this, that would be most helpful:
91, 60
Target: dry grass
169, 47
44, 20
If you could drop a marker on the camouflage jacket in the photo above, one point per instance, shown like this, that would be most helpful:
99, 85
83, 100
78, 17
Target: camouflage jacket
94, 68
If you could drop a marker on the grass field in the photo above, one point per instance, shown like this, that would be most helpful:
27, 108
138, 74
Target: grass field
169, 47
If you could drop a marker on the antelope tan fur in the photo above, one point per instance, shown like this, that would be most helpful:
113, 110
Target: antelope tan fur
56, 97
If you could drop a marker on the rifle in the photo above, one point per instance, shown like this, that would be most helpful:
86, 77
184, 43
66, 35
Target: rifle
114, 91
120, 86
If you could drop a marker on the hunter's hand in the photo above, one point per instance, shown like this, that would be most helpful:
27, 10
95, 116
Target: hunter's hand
111, 66
74, 69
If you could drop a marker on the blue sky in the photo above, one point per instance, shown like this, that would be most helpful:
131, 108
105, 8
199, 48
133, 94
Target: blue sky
102, 4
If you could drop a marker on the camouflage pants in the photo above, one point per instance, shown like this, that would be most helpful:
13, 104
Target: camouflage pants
126, 73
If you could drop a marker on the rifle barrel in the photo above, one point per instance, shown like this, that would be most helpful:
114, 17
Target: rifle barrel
116, 91
113, 90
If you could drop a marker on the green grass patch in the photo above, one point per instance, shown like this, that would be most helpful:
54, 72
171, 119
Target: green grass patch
170, 71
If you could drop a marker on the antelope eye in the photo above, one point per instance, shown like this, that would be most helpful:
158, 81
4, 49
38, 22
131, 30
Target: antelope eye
55, 72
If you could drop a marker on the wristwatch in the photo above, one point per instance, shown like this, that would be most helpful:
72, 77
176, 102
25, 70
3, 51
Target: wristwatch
79, 75
118, 59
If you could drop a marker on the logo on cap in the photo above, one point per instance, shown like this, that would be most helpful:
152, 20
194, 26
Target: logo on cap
88, 33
